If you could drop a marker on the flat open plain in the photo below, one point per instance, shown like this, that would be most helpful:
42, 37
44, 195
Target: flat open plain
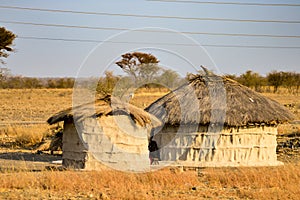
26, 173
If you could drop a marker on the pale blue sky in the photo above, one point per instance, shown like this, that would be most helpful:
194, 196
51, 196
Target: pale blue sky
48, 58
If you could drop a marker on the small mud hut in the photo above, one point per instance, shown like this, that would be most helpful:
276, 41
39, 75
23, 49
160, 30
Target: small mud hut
215, 121
107, 133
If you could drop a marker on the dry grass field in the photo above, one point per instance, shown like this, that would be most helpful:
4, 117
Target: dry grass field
285, 99
23, 179
32, 104
232, 183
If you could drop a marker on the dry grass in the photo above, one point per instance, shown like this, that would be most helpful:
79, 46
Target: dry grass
114, 184
32, 104
25, 136
259, 183
143, 97
293, 99
221, 183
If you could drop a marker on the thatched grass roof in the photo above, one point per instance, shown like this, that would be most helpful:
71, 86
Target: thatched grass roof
209, 98
104, 107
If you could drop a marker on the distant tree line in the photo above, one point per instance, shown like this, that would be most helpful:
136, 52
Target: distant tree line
272, 82
9, 81
167, 78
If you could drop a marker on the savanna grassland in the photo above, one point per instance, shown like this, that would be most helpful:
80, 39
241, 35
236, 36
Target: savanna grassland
32, 104
26, 173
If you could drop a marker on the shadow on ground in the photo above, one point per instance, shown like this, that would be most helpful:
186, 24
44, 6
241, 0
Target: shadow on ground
27, 161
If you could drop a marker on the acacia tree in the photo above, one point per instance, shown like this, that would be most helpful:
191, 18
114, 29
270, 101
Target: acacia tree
170, 78
289, 80
140, 66
275, 79
6, 41
251, 79
106, 84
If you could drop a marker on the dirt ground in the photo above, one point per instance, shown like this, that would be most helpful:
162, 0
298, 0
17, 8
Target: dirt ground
24, 160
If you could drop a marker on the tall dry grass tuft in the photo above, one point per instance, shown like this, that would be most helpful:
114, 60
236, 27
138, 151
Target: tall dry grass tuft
245, 183
25, 135
115, 184
259, 183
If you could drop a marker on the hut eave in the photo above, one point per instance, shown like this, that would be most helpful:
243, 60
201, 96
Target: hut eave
104, 107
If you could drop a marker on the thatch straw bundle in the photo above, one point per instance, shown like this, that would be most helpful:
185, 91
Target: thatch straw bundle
206, 95
104, 107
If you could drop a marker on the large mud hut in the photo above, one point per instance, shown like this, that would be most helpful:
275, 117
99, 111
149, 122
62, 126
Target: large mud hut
107, 133
215, 121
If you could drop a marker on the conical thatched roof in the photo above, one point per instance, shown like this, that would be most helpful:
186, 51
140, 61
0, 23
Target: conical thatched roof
209, 98
103, 107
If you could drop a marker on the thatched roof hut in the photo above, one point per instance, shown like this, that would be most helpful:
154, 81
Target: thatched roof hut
215, 121
107, 132
242, 105
104, 107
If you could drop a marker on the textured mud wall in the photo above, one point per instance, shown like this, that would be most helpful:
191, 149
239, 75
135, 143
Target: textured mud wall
251, 146
113, 141
74, 151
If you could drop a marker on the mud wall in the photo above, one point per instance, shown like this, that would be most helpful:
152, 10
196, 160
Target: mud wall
243, 146
113, 141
